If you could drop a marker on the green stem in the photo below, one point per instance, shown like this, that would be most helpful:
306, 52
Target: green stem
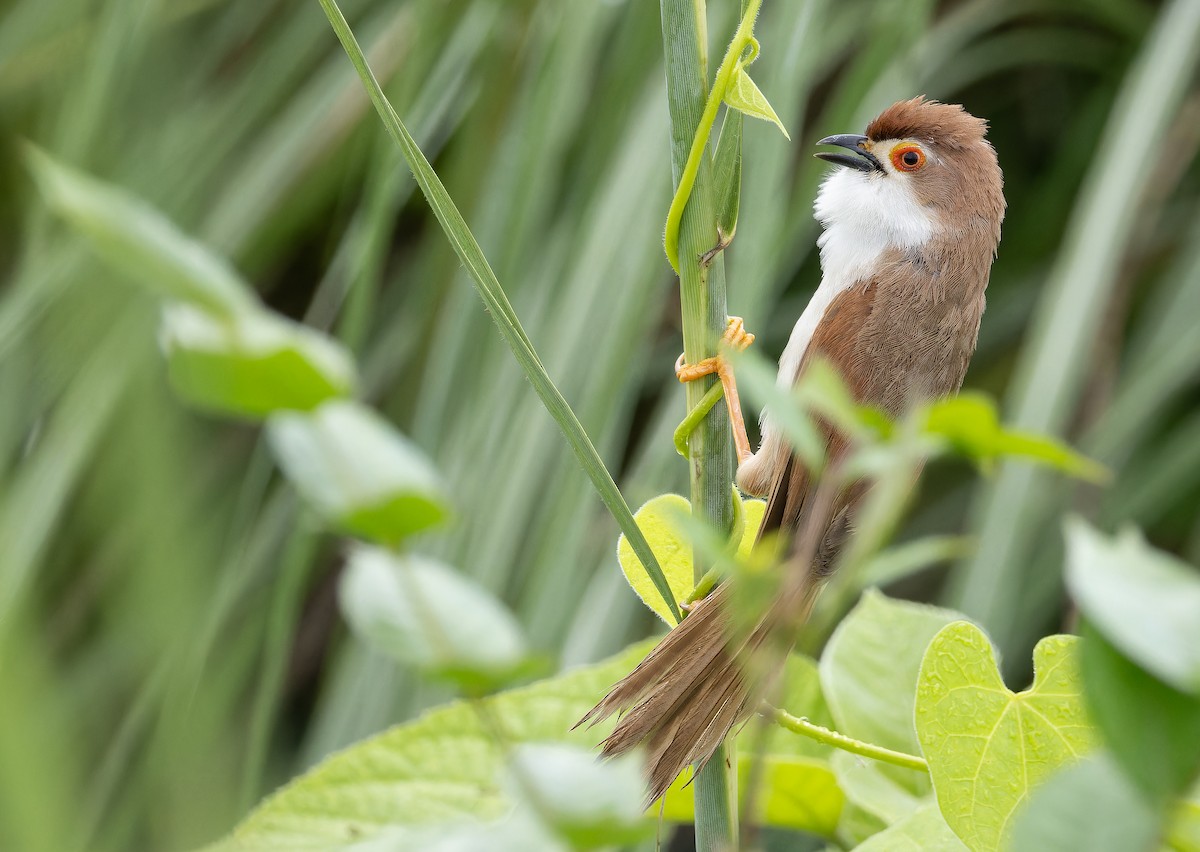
685, 429
743, 38
824, 735
692, 230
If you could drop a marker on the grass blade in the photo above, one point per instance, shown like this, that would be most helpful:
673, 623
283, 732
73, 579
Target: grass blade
468, 250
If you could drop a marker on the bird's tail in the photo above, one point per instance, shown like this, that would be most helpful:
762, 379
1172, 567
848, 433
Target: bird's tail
697, 683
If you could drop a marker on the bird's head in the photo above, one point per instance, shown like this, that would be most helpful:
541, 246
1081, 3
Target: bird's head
923, 167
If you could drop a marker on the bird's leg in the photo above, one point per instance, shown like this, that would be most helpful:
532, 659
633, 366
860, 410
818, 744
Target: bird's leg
736, 337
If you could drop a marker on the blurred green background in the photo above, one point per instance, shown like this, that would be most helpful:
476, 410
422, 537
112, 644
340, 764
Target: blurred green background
170, 648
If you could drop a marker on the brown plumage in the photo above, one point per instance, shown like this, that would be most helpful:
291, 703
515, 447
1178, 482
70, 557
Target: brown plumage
906, 256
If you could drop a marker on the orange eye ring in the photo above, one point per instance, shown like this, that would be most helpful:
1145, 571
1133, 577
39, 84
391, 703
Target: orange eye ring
908, 158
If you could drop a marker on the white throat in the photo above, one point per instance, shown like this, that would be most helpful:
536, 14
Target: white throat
864, 215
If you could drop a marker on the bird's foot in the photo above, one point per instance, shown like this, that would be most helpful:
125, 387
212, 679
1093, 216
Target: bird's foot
738, 339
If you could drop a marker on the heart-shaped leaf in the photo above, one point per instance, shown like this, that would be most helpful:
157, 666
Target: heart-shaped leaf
358, 471
252, 364
869, 675
988, 747
661, 521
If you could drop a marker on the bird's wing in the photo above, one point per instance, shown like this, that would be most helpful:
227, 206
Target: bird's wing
841, 337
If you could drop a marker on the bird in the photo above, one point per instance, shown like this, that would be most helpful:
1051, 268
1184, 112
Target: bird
911, 219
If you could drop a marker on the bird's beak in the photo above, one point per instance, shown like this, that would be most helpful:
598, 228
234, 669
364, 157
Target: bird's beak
862, 159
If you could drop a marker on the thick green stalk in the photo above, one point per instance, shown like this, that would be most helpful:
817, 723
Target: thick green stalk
702, 297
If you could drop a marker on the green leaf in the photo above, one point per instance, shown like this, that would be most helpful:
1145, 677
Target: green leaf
857, 825
971, 427
823, 391
1143, 600
589, 803
1152, 729
1087, 805
1183, 830
869, 673
872, 790
799, 793
798, 789
253, 364
424, 613
759, 379
924, 830
662, 520
520, 831
727, 173
802, 697
986, 746
137, 240
901, 560
358, 472
488, 287
441, 768
744, 96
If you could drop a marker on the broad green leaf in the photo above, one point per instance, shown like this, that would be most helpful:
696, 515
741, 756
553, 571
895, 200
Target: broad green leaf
443, 767
970, 425
869, 675
424, 613
857, 825
1088, 805
1152, 729
986, 746
520, 831
924, 830
744, 96
660, 522
799, 793
1143, 600
137, 240
589, 803
869, 788
358, 472
253, 364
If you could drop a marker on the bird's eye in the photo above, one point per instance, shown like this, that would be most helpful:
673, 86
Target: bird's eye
908, 158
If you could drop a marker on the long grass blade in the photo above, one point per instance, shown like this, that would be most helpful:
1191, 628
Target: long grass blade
498, 305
